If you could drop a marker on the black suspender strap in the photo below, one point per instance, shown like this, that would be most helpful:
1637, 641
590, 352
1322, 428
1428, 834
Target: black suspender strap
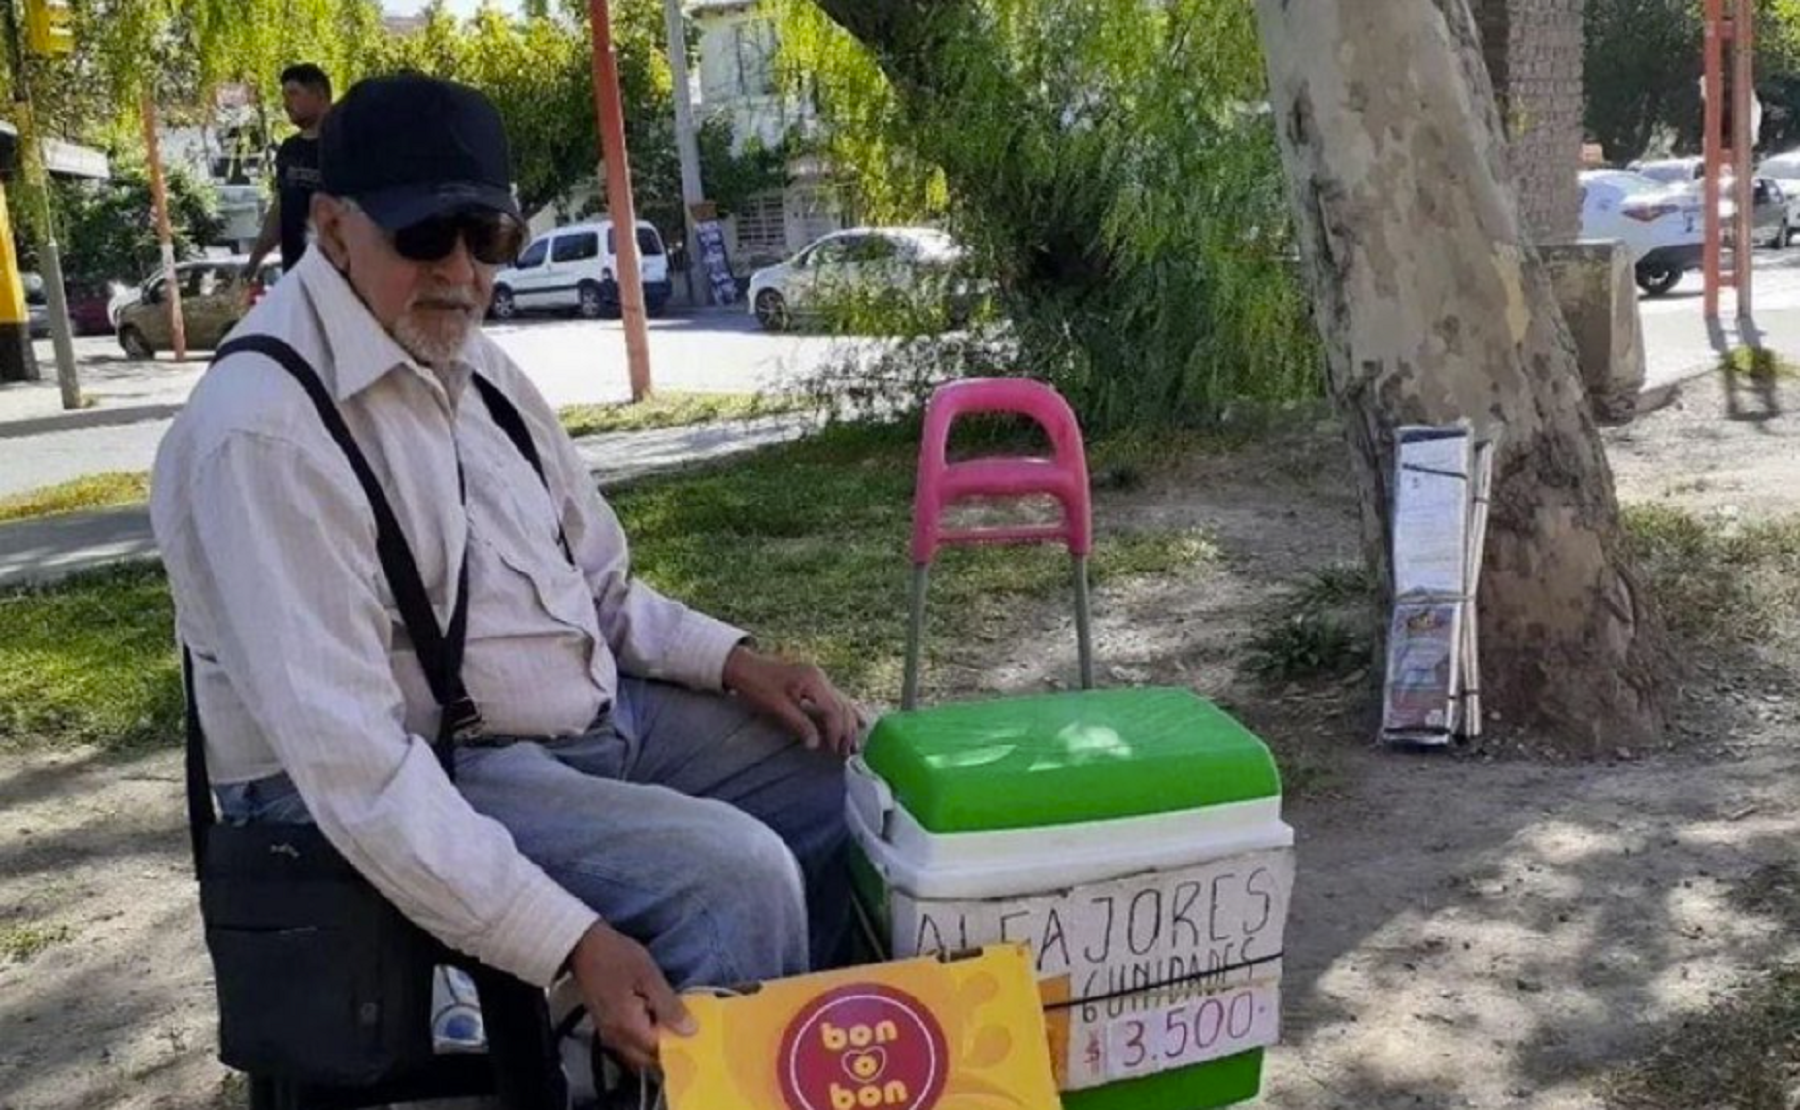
440, 652
199, 802
506, 415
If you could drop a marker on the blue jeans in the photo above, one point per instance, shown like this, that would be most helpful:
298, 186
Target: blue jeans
686, 821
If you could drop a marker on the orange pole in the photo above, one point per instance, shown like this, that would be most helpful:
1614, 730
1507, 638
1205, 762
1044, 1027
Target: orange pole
164, 232
1743, 140
1713, 117
610, 111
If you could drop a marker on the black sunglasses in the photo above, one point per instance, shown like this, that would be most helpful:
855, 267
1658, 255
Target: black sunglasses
493, 238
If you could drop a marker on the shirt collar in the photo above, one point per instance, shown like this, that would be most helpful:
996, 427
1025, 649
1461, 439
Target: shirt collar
361, 350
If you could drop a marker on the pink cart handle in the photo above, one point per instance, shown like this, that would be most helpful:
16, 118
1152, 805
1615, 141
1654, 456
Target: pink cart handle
942, 483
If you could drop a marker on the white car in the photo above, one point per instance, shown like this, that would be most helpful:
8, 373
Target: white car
1659, 223
1685, 172
860, 261
1784, 171
573, 269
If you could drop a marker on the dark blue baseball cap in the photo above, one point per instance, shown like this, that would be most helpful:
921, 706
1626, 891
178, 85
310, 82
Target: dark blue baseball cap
408, 147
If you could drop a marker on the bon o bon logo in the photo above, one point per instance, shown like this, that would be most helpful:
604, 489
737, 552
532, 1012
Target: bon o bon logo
864, 1047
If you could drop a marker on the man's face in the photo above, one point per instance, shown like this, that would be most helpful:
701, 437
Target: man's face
305, 105
430, 308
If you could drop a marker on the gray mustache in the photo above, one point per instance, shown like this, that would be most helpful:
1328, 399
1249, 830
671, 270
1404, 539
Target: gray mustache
445, 299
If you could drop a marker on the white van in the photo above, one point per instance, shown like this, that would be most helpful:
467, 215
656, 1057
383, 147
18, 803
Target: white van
572, 268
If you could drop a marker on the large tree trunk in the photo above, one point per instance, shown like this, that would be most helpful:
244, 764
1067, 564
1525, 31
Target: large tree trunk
1433, 308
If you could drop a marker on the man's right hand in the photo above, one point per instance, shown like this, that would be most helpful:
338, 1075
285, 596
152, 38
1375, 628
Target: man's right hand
626, 994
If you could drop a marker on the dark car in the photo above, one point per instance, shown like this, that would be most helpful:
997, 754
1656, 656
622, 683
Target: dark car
90, 301
37, 305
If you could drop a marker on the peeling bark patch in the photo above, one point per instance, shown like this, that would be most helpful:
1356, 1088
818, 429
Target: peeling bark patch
1507, 262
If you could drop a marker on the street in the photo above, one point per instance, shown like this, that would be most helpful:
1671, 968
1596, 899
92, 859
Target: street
583, 362
571, 361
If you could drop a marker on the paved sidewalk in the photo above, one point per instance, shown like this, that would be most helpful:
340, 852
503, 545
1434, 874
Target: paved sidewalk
47, 548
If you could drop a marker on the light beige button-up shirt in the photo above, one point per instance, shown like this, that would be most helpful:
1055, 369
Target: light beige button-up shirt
302, 663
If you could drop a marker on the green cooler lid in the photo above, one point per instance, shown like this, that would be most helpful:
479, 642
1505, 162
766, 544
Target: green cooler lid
1063, 759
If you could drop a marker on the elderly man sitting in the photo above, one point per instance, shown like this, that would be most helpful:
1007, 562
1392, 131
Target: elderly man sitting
640, 798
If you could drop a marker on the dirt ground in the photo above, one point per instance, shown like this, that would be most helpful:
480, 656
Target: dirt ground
1468, 930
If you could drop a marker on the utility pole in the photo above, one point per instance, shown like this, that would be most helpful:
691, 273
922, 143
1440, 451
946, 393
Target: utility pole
47, 25
630, 279
687, 147
1728, 55
165, 234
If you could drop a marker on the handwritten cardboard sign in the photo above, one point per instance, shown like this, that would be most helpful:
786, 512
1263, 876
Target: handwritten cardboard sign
1161, 949
961, 1033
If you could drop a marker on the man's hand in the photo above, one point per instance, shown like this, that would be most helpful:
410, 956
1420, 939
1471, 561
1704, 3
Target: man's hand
796, 694
626, 994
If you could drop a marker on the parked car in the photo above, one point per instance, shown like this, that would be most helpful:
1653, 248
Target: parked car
214, 297
1671, 171
90, 301
1784, 171
1662, 224
37, 305
1776, 211
908, 261
573, 268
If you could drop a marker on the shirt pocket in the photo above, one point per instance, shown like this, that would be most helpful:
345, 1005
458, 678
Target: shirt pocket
520, 584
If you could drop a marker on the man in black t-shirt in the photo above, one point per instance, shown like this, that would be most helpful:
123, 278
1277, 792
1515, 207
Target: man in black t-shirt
306, 93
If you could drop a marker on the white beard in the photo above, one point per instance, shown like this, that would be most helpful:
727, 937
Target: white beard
436, 344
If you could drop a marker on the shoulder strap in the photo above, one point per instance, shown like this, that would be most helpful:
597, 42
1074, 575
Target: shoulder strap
506, 415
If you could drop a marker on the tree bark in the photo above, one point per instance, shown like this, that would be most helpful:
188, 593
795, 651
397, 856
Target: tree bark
1433, 308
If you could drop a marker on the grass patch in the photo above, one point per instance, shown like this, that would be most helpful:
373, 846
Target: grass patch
1744, 1053
671, 410
1718, 581
1759, 364
90, 659
663, 410
21, 942
817, 532
803, 543
1321, 628
96, 491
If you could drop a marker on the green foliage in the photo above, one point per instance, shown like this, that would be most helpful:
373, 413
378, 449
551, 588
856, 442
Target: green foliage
96, 491
818, 533
1132, 213
1718, 582
1322, 626
665, 410
90, 660
539, 72
732, 177
1643, 68
108, 228
20, 941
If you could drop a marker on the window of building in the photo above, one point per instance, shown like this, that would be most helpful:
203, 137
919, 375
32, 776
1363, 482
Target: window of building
762, 225
753, 49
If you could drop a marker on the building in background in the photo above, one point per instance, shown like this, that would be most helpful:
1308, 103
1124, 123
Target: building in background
738, 79
232, 151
